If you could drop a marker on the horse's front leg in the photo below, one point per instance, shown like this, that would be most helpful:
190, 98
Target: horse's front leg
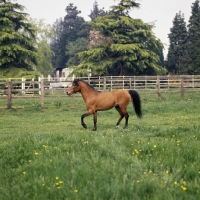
82, 120
87, 114
95, 121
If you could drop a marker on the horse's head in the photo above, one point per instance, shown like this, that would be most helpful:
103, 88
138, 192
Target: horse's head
74, 88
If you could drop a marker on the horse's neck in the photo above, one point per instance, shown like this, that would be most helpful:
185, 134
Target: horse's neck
87, 93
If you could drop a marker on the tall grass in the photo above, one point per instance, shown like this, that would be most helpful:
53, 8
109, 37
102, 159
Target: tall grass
46, 154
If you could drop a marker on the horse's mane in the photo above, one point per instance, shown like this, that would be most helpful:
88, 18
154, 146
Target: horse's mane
77, 80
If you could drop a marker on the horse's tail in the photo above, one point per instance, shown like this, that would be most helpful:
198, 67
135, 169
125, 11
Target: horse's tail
136, 102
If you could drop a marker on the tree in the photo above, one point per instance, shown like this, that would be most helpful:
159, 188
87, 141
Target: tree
73, 48
72, 27
178, 57
44, 33
125, 46
56, 43
96, 11
194, 38
17, 37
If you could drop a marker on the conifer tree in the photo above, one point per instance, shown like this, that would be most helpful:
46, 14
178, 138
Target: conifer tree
124, 46
69, 29
17, 37
194, 38
178, 57
96, 11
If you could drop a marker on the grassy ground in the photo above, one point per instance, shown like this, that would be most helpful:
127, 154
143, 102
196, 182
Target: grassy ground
46, 154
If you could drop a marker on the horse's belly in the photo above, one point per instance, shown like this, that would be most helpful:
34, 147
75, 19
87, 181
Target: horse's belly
105, 104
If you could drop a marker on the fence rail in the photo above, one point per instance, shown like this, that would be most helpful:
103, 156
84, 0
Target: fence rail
154, 84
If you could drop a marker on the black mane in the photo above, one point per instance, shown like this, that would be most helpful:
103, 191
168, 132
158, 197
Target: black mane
75, 82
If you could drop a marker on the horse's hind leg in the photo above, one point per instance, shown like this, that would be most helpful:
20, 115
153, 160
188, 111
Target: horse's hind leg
126, 118
121, 115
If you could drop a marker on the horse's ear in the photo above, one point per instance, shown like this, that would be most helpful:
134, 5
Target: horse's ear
75, 82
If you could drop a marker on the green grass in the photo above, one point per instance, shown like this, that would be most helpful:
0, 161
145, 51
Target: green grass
46, 154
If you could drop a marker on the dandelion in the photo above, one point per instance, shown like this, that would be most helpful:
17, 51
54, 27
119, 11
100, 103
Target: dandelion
36, 153
183, 188
138, 181
57, 177
60, 182
150, 171
43, 184
75, 190
184, 182
24, 173
154, 146
136, 151
167, 171
30, 161
57, 184
199, 172
175, 183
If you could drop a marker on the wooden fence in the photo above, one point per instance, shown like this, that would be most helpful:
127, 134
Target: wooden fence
10, 89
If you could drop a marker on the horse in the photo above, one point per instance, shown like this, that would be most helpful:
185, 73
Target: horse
99, 101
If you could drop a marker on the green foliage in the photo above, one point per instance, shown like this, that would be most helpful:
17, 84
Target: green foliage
46, 154
96, 11
14, 72
128, 45
44, 33
17, 37
178, 54
67, 30
73, 48
194, 38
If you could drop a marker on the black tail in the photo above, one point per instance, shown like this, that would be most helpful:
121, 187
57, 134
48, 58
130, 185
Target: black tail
136, 102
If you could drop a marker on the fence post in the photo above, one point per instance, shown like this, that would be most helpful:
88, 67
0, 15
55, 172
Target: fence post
23, 85
130, 84
182, 88
104, 84
158, 86
145, 82
9, 97
42, 92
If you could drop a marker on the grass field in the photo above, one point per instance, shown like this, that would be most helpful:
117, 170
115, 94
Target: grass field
45, 153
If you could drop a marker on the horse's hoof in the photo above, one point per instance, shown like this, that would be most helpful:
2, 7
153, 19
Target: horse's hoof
84, 126
117, 126
94, 129
125, 127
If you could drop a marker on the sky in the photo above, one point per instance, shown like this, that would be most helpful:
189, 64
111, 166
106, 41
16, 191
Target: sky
161, 12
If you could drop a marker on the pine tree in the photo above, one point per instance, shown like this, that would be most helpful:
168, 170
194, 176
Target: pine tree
69, 29
178, 58
122, 45
96, 11
17, 37
194, 38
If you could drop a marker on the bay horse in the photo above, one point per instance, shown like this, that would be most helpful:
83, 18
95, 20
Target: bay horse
99, 101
